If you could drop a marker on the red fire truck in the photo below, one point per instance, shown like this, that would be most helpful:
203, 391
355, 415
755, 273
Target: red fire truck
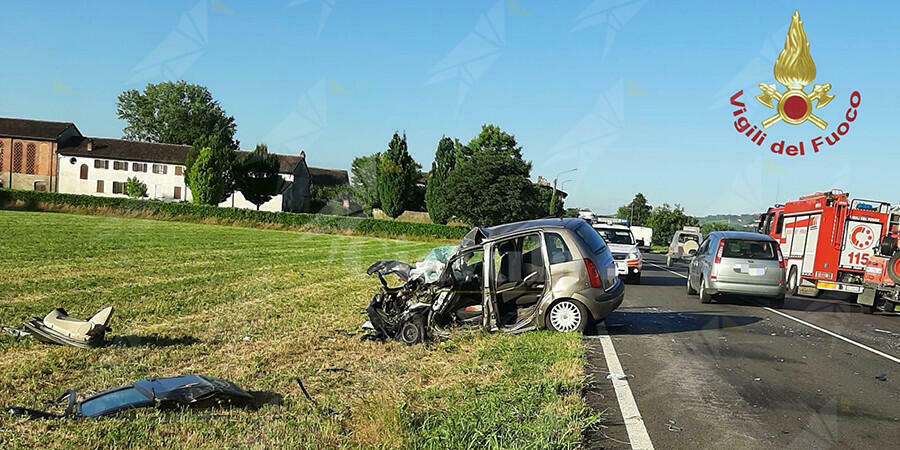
882, 279
827, 240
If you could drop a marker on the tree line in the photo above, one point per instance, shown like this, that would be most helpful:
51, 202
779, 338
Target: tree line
665, 220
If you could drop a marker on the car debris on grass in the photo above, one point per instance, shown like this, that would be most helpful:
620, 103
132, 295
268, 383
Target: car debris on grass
196, 391
59, 328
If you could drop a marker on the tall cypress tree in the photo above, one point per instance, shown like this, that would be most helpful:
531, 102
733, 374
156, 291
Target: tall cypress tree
397, 175
435, 195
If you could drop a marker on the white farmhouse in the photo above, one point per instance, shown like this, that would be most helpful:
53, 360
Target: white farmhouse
55, 156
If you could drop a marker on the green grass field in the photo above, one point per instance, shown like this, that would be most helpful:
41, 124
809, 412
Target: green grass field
261, 307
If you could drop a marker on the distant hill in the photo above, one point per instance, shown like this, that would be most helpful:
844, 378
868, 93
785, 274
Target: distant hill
736, 220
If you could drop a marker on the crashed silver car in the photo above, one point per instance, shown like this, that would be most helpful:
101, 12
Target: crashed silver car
556, 274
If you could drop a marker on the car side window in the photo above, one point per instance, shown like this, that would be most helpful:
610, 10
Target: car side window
557, 250
703, 247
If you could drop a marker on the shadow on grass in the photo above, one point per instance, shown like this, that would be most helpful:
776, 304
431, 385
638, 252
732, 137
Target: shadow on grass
152, 340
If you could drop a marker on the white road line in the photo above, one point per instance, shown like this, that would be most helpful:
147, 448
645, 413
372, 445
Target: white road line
634, 424
667, 270
832, 334
815, 327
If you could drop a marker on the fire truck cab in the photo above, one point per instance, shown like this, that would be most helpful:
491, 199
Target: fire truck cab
882, 278
827, 240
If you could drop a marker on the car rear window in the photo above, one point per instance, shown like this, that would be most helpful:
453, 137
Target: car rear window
748, 249
590, 237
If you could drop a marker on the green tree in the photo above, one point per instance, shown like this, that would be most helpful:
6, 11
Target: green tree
222, 160
257, 176
666, 220
365, 180
638, 211
397, 176
134, 188
206, 181
709, 227
435, 195
571, 212
548, 203
174, 113
489, 189
493, 139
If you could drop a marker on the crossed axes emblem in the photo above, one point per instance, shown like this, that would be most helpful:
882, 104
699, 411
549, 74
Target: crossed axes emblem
800, 109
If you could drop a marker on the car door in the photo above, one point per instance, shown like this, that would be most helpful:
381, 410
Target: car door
696, 263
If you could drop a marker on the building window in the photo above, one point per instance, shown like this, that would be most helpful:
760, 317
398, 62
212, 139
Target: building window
177, 192
31, 159
17, 157
179, 170
118, 187
120, 165
84, 172
100, 186
101, 164
139, 167
159, 168
40, 186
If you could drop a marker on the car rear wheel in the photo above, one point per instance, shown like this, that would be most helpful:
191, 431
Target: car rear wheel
566, 316
793, 282
704, 295
668, 261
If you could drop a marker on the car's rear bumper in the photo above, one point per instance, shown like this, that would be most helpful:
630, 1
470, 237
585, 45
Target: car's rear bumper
762, 290
602, 304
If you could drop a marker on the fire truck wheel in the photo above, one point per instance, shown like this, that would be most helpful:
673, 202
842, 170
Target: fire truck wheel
893, 268
793, 282
704, 296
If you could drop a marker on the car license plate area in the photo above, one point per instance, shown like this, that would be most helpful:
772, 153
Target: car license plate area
747, 270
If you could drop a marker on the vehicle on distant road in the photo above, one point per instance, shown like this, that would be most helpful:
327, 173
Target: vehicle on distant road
736, 262
629, 260
557, 274
643, 236
684, 243
828, 240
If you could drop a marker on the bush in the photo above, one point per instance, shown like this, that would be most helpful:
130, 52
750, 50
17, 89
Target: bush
193, 212
135, 188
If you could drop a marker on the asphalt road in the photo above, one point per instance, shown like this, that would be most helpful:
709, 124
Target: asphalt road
733, 374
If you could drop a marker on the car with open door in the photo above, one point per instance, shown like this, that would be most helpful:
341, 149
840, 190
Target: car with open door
557, 274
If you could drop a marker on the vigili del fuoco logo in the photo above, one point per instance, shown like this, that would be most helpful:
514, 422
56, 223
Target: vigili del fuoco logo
795, 70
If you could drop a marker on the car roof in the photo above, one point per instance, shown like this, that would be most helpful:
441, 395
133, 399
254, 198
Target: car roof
743, 235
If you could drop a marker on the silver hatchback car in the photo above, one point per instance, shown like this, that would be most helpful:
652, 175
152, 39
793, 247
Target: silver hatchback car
732, 262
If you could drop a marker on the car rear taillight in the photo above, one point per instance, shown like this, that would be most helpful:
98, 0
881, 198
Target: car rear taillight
720, 250
780, 256
593, 274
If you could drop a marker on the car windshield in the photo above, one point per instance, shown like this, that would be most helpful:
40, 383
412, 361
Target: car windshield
616, 236
114, 401
748, 249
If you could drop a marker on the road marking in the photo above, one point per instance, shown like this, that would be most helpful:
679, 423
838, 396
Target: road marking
634, 424
667, 270
832, 334
815, 327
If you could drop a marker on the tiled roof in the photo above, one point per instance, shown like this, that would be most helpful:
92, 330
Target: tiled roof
126, 150
34, 129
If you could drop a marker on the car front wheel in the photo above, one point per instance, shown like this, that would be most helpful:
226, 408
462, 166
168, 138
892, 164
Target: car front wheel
690, 289
566, 316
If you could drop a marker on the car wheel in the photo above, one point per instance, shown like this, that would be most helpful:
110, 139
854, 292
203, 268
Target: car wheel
566, 316
413, 330
778, 302
704, 296
793, 282
690, 289
668, 261
893, 267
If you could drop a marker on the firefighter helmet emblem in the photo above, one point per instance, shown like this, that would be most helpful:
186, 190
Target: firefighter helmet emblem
795, 69
862, 237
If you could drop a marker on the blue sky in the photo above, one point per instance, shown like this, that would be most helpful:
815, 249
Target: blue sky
632, 93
